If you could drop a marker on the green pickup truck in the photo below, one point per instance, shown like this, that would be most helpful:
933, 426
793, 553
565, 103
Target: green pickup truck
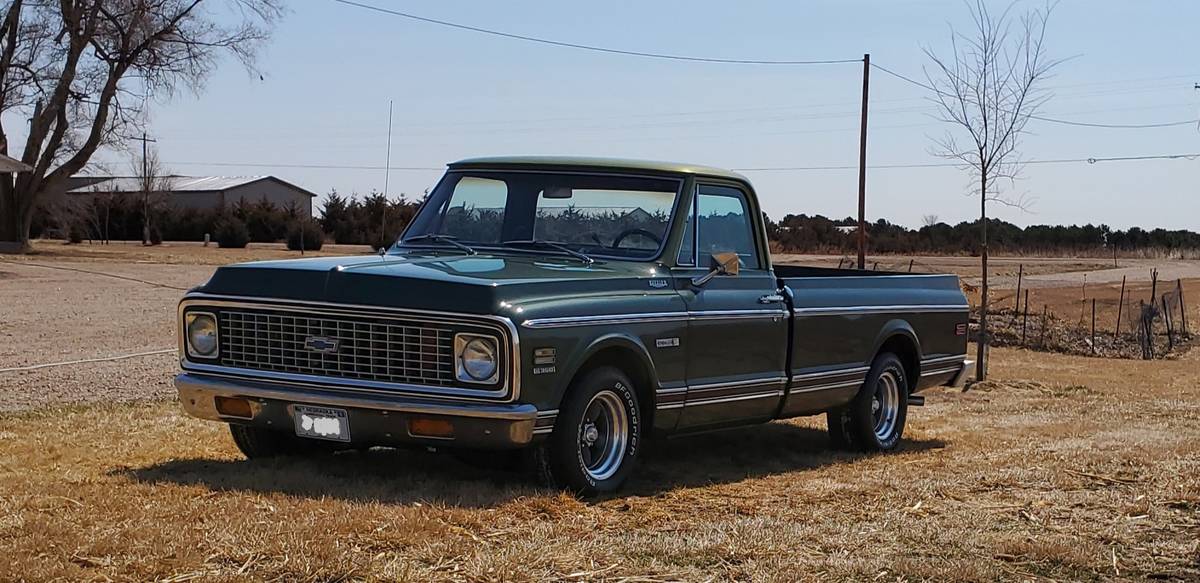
562, 311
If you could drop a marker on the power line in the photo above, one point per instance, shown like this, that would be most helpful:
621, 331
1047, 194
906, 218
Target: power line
1091, 160
592, 47
309, 166
1051, 119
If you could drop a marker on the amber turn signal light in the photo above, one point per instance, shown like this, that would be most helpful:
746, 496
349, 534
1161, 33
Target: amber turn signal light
234, 407
430, 427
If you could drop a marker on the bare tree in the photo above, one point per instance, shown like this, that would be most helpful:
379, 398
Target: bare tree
989, 87
154, 184
929, 220
84, 71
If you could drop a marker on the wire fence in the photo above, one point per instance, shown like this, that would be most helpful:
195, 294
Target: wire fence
1148, 327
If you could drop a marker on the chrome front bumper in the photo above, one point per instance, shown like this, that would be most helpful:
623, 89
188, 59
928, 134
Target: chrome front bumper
965, 373
381, 420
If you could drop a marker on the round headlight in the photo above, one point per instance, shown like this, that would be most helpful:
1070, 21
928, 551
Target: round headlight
479, 359
202, 334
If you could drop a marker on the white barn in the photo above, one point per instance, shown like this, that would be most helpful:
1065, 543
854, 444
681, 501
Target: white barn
201, 192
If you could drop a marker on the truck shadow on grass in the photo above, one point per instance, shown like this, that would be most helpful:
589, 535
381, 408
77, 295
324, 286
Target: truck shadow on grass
406, 476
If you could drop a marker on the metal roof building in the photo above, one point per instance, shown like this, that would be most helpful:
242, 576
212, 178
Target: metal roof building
201, 192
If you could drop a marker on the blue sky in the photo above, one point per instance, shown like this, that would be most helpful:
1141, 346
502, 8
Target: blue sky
331, 69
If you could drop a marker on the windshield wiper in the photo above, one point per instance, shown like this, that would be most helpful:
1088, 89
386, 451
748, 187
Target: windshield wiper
553, 245
441, 238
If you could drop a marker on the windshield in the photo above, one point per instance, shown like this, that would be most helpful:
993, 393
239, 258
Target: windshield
614, 216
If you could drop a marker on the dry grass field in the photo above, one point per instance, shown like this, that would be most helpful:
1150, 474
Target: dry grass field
1061, 468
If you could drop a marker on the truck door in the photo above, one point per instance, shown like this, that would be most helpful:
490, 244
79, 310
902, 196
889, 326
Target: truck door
737, 324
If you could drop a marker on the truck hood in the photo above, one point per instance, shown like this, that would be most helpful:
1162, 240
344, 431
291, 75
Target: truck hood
482, 283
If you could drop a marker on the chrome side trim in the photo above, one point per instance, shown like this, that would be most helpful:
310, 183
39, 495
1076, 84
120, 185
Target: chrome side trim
509, 392
716, 400
567, 321
957, 358
831, 373
675, 391
841, 385
871, 310
940, 371
736, 314
733, 384
547, 413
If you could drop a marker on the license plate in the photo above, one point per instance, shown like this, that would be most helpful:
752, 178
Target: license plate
321, 422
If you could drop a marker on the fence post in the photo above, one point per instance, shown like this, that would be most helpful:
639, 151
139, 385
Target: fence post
1167, 320
910, 263
1147, 330
1153, 284
1020, 275
1083, 301
1120, 307
1093, 325
1025, 317
1182, 308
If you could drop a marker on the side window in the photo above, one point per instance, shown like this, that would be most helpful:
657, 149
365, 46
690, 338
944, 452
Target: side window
688, 247
725, 225
475, 211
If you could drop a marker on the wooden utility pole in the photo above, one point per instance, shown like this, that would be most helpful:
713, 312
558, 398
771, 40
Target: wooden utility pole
862, 165
145, 191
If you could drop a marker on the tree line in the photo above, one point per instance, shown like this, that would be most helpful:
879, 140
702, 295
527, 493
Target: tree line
819, 234
377, 221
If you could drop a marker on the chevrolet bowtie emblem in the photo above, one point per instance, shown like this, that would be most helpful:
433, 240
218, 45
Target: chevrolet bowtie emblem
321, 344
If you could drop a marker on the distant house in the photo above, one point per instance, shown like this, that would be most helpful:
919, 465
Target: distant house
847, 229
201, 192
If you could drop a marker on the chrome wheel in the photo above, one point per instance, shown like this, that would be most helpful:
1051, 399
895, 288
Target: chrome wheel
603, 435
885, 405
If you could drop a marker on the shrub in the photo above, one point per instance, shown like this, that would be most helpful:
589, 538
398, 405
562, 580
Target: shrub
75, 234
231, 233
306, 233
156, 237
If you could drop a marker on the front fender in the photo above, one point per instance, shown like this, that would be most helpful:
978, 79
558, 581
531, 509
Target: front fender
623, 341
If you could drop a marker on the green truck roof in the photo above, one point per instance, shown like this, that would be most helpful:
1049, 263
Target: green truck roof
608, 164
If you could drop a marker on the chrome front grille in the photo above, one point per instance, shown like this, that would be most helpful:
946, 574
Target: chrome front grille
360, 348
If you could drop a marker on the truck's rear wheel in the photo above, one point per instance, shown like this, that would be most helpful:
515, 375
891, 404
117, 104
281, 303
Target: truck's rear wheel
597, 436
257, 442
874, 420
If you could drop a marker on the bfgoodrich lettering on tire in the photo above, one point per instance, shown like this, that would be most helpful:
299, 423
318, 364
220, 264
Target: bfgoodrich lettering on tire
596, 438
874, 420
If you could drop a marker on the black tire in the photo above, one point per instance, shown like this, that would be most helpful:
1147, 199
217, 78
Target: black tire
566, 461
258, 443
860, 425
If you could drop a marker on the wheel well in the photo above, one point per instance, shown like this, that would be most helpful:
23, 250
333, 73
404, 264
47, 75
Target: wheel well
630, 363
906, 350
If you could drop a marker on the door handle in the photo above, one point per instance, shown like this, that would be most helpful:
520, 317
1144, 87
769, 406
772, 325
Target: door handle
770, 299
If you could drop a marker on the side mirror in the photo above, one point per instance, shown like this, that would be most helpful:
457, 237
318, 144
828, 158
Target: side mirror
724, 263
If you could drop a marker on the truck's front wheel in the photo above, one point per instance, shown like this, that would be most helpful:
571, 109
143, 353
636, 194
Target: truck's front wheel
874, 420
597, 436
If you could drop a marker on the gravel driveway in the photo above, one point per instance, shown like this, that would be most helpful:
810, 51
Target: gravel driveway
51, 314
